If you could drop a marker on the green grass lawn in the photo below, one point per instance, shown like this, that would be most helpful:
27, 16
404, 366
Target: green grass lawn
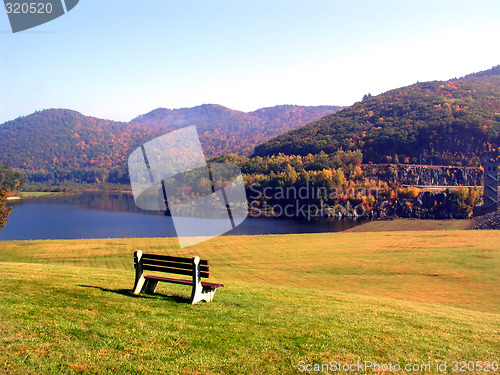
399, 297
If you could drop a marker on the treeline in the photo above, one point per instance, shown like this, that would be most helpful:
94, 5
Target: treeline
337, 185
60, 176
10, 180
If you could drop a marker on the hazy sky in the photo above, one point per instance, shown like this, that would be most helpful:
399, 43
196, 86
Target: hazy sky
117, 59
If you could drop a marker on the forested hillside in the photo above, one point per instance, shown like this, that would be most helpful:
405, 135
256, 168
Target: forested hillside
59, 145
453, 122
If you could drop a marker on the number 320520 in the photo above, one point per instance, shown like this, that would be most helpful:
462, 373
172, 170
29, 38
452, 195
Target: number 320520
25, 8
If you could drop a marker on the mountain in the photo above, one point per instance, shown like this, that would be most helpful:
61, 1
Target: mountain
58, 145
440, 122
223, 130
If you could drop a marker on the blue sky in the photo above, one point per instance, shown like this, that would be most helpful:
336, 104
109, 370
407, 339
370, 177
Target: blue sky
117, 59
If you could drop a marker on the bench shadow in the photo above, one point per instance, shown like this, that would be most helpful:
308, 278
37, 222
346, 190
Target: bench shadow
128, 293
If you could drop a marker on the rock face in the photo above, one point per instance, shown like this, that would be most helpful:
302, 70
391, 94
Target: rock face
426, 205
425, 175
488, 221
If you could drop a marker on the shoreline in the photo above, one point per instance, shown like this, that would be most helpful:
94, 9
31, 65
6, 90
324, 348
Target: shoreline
39, 194
230, 237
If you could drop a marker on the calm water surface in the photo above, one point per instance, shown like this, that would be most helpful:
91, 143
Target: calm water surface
115, 215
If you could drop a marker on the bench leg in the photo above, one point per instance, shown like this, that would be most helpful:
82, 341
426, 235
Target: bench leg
139, 284
150, 286
202, 294
139, 277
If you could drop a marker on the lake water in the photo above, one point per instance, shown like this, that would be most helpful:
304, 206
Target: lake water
115, 215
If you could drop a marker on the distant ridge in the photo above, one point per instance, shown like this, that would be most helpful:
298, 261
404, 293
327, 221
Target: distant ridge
57, 145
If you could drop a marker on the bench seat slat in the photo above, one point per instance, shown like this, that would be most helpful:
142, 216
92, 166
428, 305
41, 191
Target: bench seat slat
184, 266
211, 285
169, 280
183, 282
172, 259
173, 270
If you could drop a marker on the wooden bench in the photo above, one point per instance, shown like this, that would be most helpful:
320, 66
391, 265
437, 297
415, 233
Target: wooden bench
194, 267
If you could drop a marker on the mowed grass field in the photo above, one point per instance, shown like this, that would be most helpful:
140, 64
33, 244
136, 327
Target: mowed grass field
411, 225
418, 298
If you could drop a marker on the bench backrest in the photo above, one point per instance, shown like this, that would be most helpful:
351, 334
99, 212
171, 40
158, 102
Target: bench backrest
175, 265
